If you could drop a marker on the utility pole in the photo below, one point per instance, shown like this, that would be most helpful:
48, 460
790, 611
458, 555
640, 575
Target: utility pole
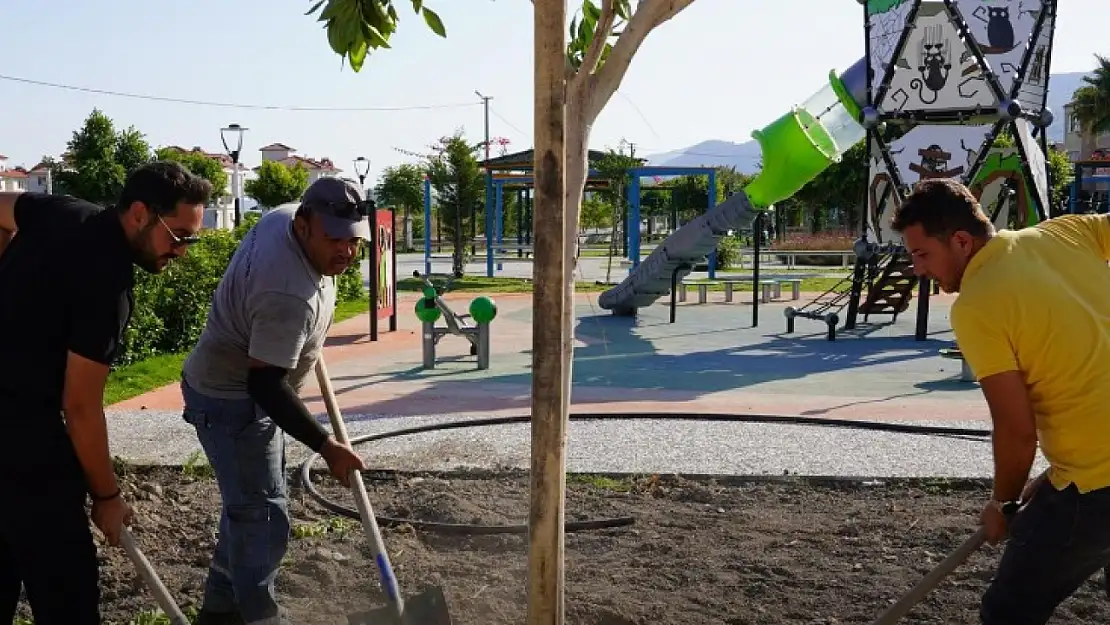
485, 104
473, 224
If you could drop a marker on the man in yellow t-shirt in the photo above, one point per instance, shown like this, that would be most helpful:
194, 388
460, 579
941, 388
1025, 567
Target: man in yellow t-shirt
1032, 320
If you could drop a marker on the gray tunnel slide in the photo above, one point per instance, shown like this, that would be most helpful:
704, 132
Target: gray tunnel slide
687, 246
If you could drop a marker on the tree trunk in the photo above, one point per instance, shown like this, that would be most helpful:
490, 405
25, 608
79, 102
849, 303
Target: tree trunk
550, 342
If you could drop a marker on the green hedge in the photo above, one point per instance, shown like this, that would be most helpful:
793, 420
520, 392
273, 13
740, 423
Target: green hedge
171, 307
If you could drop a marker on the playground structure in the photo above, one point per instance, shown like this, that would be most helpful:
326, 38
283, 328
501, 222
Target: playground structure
429, 308
513, 173
940, 82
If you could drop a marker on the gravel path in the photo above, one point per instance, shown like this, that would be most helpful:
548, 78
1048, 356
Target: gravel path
618, 446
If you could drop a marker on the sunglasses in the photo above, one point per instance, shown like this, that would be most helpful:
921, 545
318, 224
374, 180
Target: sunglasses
178, 241
350, 210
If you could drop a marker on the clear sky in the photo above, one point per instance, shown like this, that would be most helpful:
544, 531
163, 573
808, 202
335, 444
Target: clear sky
718, 70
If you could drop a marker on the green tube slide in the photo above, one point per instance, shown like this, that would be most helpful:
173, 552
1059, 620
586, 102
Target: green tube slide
804, 142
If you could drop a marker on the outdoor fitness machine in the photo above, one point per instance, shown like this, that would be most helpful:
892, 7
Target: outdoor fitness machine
428, 310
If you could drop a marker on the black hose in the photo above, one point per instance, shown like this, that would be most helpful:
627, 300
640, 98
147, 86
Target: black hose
466, 528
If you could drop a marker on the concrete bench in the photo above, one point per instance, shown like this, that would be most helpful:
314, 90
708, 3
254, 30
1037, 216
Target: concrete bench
966, 374
795, 287
766, 286
703, 291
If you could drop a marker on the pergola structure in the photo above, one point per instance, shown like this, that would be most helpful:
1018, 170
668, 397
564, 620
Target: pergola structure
515, 172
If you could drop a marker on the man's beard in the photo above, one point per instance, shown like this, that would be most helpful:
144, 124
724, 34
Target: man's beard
143, 252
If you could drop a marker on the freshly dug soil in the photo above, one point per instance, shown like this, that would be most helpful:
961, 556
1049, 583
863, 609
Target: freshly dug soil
699, 553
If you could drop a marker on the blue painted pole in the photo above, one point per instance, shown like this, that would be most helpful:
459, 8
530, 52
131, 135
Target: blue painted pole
712, 187
489, 224
500, 225
427, 226
634, 220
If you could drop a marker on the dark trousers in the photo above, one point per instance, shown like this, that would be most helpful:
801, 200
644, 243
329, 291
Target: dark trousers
1056, 543
46, 543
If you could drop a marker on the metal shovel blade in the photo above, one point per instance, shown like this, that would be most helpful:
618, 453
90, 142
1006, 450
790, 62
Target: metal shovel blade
429, 607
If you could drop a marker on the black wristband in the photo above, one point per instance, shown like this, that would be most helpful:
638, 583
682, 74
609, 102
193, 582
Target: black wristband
96, 497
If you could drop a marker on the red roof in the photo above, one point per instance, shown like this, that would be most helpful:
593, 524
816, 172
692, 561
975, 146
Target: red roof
13, 173
275, 146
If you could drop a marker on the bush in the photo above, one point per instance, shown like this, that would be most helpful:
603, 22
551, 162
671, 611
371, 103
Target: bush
728, 252
824, 241
171, 308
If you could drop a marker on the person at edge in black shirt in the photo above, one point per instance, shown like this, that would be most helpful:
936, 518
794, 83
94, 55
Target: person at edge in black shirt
66, 281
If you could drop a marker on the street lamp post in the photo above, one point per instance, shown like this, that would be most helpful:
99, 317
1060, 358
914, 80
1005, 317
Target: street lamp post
236, 131
362, 168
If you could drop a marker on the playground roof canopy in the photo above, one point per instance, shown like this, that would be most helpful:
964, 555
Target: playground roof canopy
516, 169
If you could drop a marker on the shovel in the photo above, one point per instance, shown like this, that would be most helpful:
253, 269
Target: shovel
429, 607
150, 576
895, 612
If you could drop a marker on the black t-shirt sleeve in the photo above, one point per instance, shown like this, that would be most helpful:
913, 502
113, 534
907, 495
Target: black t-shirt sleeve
100, 308
35, 212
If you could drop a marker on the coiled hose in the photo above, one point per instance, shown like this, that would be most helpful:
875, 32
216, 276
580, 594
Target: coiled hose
466, 528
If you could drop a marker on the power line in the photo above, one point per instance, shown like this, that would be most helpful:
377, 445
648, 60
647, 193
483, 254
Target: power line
267, 107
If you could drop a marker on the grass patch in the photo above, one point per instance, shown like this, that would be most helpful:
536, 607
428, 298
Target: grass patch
143, 376
196, 466
336, 526
353, 308
601, 482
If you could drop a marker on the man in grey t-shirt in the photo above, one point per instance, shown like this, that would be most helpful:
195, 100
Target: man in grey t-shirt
266, 328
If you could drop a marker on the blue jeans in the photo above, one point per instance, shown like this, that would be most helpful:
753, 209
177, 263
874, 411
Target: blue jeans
247, 451
1056, 543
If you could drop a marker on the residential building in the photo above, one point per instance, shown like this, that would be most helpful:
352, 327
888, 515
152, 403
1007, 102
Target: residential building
12, 179
221, 211
1082, 146
317, 168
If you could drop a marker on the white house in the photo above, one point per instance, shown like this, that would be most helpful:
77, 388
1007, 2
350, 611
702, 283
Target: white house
12, 179
317, 168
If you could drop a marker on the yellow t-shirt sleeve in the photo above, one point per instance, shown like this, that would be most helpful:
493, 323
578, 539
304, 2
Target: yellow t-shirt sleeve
983, 342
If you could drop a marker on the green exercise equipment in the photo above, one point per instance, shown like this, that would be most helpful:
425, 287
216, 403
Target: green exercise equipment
429, 308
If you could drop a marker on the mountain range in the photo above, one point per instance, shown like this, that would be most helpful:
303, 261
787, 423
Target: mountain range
745, 156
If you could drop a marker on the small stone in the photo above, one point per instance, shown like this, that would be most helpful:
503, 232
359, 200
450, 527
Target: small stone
721, 510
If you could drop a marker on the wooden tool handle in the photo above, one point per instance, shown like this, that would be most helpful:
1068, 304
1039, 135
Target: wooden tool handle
931, 579
150, 576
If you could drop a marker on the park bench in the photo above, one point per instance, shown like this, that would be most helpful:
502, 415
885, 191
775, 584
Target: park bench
703, 290
966, 374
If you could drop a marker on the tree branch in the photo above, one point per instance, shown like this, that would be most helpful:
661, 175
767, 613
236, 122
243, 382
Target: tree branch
649, 14
601, 36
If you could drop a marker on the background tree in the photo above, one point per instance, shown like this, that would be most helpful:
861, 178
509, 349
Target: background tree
402, 186
457, 179
1091, 102
199, 164
98, 160
841, 186
277, 183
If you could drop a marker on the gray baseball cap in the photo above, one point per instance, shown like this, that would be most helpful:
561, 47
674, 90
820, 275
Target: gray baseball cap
341, 208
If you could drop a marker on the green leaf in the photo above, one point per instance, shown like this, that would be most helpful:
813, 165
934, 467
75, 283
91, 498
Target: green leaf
356, 54
623, 9
434, 22
417, 5
315, 7
337, 39
591, 11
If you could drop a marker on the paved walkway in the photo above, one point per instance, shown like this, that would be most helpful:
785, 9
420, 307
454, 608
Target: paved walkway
711, 360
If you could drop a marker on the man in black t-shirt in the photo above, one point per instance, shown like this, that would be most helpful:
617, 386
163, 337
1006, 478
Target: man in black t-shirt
66, 271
